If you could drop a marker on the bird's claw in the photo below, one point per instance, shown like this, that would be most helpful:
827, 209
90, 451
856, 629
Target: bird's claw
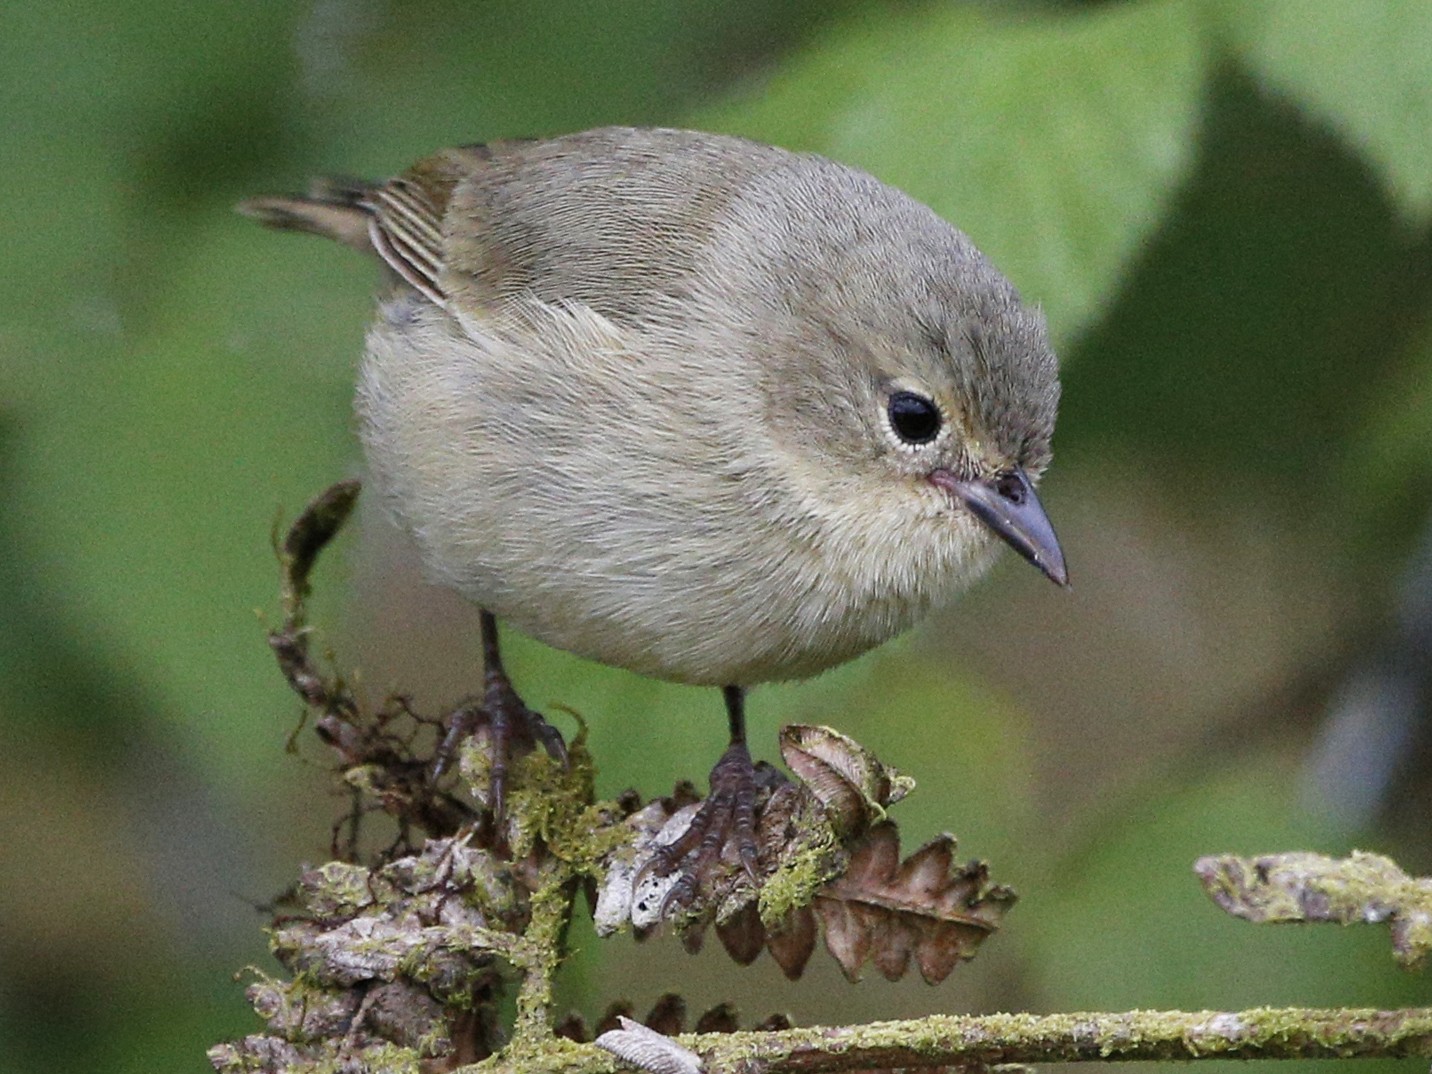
512, 728
727, 818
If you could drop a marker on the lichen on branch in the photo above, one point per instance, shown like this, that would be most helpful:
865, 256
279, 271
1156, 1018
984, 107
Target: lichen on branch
400, 958
1302, 887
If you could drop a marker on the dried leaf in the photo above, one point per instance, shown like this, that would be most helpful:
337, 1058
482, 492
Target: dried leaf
792, 944
881, 910
847, 779
719, 1019
873, 907
667, 1015
925, 908
742, 935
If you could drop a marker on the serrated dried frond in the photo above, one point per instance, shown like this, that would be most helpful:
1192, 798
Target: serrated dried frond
743, 935
793, 943
821, 863
925, 908
800, 830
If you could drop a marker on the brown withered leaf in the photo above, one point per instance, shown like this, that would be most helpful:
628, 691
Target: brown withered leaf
925, 908
742, 934
853, 785
667, 1015
825, 842
791, 946
803, 830
721, 1018
884, 911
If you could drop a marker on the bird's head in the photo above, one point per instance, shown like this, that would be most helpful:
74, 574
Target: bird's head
914, 384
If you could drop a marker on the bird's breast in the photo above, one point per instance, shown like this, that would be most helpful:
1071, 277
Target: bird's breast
625, 520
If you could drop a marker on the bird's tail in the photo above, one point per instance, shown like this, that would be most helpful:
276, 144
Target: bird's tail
336, 208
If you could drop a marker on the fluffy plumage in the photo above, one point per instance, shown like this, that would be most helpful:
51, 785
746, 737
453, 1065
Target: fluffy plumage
628, 390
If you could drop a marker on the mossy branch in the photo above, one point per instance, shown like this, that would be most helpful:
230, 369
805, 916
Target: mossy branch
1299, 887
400, 963
945, 1040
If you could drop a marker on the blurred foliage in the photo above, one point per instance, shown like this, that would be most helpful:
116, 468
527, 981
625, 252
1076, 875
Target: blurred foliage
1222, 206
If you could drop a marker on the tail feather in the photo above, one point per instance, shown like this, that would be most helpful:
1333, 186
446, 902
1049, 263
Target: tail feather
336, 209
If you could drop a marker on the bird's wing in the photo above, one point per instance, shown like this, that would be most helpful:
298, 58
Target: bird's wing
407, 213
400, 221
615, 219
612, 219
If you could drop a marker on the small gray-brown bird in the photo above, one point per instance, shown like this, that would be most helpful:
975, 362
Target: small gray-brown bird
686, 404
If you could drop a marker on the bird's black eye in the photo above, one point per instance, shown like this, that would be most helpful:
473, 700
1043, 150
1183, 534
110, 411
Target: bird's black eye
915, 419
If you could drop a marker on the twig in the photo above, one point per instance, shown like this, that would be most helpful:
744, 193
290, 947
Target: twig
1301, 887
542, 953
395, 965
945, 1040
298, 551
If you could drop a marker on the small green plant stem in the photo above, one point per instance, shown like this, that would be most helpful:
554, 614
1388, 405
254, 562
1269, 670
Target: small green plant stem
541, 954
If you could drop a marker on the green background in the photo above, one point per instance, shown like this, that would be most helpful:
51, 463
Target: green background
1223, 209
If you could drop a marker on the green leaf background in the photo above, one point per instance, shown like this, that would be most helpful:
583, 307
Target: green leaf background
1223, 208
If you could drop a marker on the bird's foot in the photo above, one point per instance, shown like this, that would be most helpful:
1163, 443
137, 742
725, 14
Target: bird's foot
512, 730
726, 822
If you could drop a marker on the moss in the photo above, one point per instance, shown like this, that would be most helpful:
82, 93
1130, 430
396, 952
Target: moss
337, 889
389, 1058
814, 858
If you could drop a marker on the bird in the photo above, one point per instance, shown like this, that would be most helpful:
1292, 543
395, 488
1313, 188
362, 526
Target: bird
706, 409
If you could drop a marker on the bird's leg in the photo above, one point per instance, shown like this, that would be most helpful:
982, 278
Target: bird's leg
727, 817
512, 727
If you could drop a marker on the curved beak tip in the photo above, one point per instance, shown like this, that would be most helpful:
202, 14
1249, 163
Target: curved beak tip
1056, 573
1009, 507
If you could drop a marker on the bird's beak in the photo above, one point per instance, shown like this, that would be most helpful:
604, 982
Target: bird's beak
1007, 504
